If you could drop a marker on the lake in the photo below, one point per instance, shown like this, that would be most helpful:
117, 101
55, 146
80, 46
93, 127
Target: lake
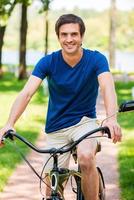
124, 60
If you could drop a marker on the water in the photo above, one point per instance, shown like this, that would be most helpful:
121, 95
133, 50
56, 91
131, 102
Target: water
12, 57
124, 60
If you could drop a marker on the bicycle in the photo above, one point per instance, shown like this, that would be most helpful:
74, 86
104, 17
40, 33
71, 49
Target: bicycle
59, 175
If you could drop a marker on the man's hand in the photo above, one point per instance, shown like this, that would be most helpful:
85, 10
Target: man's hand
115, 130
2, 132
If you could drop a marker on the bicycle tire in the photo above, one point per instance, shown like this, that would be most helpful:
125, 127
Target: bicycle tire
54, 198
79, 191
101, 185
101, 194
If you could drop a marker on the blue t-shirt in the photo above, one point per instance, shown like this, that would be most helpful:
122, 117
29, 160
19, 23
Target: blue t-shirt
72, 90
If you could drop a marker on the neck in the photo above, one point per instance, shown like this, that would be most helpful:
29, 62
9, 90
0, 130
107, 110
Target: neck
72, 59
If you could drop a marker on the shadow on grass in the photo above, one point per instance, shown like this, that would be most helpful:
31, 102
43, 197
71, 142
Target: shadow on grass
40, 97
9, 155
10, 83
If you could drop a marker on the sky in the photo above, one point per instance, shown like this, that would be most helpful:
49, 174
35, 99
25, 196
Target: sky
93, 4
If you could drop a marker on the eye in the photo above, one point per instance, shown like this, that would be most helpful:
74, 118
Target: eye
74, 34
64, 34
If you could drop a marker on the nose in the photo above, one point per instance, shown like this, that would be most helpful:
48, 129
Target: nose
69, 38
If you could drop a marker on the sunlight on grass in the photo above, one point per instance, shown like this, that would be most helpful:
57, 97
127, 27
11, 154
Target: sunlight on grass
126, 92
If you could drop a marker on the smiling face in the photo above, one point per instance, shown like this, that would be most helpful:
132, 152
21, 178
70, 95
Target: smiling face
70, 38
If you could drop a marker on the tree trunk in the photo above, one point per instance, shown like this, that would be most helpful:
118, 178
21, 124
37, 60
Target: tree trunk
22, 48
46, 31
112, 38
2, 32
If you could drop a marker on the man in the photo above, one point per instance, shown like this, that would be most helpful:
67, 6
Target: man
74, 75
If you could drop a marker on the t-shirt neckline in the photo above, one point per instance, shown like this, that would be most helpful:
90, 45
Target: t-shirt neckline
77, 64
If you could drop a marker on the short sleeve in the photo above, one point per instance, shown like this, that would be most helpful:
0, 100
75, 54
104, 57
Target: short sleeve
41, 69
101, 63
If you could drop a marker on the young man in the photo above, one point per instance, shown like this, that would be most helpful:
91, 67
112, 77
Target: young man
74, 75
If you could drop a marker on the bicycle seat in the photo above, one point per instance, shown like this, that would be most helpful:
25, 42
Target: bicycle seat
98, 147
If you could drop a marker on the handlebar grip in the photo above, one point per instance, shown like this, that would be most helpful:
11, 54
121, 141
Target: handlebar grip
107, 131
126, 106
8, 134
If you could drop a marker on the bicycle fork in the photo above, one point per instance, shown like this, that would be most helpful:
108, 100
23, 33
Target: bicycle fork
58, 176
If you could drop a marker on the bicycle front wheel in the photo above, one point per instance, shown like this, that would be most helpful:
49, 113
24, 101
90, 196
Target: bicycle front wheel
101, 185
54, 198
101, 195
79, 191
78, 183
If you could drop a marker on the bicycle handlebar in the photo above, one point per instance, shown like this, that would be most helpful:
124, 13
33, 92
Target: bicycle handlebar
124, 107
11, 134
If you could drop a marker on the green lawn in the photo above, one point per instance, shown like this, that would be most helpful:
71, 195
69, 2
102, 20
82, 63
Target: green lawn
126, 152
29, 125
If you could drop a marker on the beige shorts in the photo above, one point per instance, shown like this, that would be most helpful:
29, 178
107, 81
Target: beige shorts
64, 136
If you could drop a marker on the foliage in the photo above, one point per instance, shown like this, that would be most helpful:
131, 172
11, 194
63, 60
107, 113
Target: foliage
6, 7
94, 21
45, 5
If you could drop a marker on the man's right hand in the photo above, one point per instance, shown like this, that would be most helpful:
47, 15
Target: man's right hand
3, 131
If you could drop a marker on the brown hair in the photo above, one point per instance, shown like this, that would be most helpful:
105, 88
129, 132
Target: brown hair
67, 19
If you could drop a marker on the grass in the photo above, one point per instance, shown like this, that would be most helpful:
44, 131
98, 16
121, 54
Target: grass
126, 148
33, 119
29, 125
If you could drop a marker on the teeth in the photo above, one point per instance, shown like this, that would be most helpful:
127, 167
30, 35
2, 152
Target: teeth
69, 45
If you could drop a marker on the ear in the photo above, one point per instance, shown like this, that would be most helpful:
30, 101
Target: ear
82, 37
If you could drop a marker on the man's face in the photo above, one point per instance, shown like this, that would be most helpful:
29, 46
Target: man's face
70, 38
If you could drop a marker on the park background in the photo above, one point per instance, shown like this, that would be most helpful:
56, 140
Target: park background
97, 37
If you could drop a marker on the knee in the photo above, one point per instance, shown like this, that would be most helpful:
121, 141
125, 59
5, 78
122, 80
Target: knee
86, 161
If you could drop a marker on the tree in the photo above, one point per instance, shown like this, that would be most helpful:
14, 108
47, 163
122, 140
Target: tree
45, 8
6, 8
23, 35
22, 46
112, 42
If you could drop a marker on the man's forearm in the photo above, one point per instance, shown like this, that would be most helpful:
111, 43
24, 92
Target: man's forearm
18, 108
108, 92
110, 101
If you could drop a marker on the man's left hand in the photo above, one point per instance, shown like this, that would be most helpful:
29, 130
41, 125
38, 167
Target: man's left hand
115, 129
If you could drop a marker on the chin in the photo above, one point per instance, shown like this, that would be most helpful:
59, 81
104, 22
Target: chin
71, 51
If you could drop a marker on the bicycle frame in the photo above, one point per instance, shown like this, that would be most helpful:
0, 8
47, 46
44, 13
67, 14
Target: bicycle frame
58, 176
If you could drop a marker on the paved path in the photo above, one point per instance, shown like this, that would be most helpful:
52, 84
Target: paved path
24, 185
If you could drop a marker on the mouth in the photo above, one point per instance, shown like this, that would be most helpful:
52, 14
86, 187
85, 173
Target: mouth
70, 46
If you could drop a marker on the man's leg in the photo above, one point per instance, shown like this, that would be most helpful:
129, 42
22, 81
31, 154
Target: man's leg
48, 186
86, 158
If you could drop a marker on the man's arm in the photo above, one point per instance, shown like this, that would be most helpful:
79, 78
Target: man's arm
110, 101
21, 103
